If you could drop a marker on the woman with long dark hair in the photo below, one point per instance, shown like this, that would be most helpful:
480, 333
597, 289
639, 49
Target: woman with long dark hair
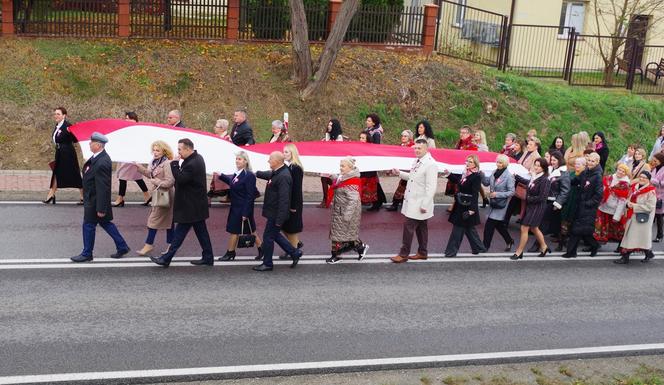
424, 131
601, 148
66, 171
333, 133
537, 193
374, 194
558, 144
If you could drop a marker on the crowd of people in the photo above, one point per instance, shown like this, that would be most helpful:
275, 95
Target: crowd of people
568, 196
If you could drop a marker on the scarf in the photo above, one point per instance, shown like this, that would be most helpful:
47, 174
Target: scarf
371, 131
637, 191
498, 172
155, 163
609, 182
410, 143
558, 172
469, 171
599, 146
354, 181
466, 144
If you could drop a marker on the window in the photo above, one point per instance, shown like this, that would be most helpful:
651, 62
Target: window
460, 13
572, 14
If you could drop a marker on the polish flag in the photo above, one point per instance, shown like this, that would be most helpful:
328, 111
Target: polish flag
129, 141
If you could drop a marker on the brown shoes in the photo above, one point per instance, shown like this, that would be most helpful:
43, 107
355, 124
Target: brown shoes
399, 259
418, 256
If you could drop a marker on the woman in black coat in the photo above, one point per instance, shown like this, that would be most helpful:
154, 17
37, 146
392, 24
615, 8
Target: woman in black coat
66, 171
293, 225
243, 192
601, 148
536, 198
465, 212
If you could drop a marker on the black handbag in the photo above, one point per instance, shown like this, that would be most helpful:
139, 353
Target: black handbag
245, 241
464, 199
658, 205
642, 217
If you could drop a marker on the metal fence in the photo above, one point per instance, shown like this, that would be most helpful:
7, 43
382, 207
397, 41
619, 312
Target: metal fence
85, 18
649, 76
263, 20
540, 51
195, 19
471, 33
392, 25
592, 63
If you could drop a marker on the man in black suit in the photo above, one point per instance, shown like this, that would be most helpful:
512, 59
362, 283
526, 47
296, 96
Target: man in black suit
190, 204
97, 201
241, 133
174, 119
276, 208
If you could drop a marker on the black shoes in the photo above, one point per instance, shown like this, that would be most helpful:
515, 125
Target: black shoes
593, 251
296, 258
656, 240
333, 259
393, 207
79, 203
485, 202
50, 200
649, 255
119, 254
515, 256
203, 262
116, 204
375, 207
362, 251
624, 259
82, 258
160, 261
568, 255
147, 202
509, 246
262, 268
543, 253
259, 257
229, 256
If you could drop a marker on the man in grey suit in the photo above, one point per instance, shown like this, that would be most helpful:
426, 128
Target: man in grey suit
97, 201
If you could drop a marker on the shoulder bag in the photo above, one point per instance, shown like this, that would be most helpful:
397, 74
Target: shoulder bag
642, 217
464, 199
245, 241
160, 197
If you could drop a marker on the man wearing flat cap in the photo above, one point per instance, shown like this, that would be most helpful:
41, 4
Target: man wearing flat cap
97, 201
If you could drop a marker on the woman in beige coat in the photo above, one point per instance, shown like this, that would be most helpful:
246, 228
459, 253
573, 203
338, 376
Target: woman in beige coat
159, 175
346, 205
640, 216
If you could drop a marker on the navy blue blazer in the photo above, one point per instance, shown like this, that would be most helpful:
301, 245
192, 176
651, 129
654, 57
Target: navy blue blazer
242, 191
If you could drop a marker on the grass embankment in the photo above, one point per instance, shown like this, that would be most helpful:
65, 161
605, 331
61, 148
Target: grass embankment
104, 78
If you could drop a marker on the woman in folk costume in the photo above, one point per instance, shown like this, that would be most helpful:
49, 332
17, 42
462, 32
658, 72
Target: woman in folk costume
373, 194
344, 200
397, 198
608, 222
279, 132
640, 216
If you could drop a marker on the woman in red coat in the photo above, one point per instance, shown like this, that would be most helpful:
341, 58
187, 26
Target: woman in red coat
608, 222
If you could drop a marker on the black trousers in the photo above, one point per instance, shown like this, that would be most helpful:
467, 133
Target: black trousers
574, 239
491, 226
122, 188
659, 218
180, 233
456, 237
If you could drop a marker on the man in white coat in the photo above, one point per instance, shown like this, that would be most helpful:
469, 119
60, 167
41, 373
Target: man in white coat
418, 202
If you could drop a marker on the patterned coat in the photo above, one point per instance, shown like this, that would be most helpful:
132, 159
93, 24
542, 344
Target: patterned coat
160, 175
346, 210
639, 235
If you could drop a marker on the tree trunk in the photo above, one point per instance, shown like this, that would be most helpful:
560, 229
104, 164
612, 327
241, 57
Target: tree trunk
302, 68
332, 47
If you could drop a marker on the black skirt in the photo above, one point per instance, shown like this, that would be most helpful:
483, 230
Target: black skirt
67, 172
293, 224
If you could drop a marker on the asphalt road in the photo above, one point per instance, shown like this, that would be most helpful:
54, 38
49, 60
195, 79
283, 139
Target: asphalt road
62, 320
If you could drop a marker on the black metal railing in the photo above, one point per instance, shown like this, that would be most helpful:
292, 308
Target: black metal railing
539, 50
78, 18
392, 25
270, 20
592, 63
471, 33
649, 71
195, 19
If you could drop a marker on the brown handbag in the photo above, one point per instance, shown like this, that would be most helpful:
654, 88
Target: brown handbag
520, 191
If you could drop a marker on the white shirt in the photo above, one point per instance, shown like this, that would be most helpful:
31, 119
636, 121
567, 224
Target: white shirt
57, 129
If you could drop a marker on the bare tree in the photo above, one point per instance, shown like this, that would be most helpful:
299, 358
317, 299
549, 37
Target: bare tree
614, 17
310, 75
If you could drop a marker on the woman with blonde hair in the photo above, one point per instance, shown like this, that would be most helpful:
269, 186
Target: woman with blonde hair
479, 138
293, 225
243, 193
346, 207
574, 151
639, 164
159, 176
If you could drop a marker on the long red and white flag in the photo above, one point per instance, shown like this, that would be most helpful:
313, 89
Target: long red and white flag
131, 142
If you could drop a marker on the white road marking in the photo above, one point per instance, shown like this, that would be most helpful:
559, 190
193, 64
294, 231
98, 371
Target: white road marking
65, 263
366, 364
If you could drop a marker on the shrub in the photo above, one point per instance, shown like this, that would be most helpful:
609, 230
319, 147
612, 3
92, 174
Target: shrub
375, 20
270, 19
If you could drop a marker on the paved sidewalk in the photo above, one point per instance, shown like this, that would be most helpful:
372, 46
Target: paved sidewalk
33, 185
